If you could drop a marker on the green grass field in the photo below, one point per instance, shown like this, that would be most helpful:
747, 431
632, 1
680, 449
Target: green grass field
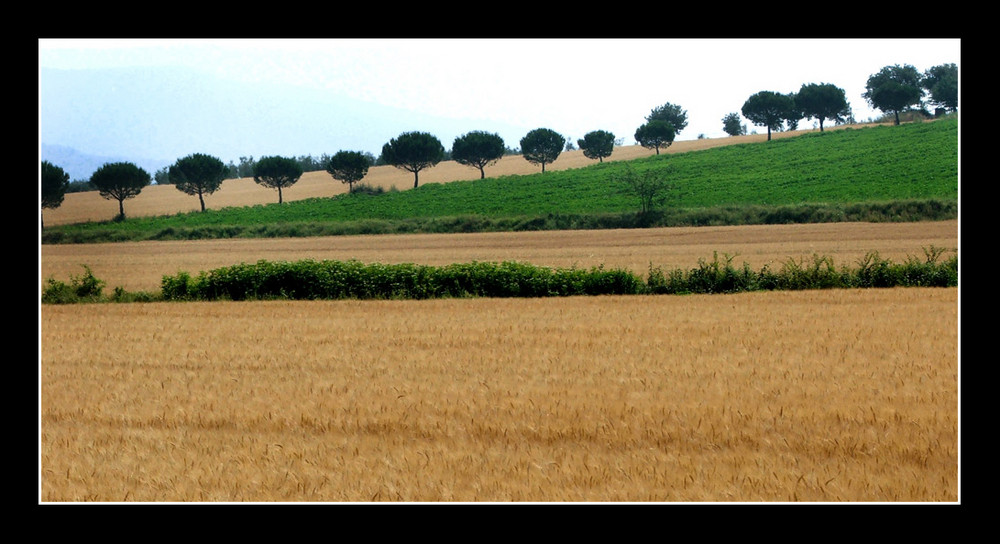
832, 170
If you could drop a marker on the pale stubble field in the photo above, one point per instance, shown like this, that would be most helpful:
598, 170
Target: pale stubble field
847, 395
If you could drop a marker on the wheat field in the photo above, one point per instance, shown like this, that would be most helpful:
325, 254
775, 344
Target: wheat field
827, 396
823, 396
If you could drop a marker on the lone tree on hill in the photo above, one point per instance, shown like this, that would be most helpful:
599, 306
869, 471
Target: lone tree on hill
894, 89
413, 152
768, 109
655, 134
349, 167
478, 149
597, 144
198, 174
671, 113
823, 101
277, 173
55, 183
542, 146
651, 187
120, 181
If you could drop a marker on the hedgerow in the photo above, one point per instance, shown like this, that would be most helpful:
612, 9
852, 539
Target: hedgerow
328, 279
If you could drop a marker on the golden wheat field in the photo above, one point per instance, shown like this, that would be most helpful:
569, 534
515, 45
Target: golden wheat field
827, 396
824, 396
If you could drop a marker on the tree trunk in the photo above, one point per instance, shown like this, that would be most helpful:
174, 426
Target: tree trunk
121, 208
279, 194
202, 200
415, 176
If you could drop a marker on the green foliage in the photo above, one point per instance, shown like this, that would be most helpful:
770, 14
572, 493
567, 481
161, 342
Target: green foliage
655, 134
313, 280
941, 83
198, 174
276, 173
823, 101
651, 187
768, 109
349, 167
720, 276
597, 144
413, 152
894, 89
671, 113
83, 288
307, 280
478, 149
731, 124
120, 181
542, 146
55, 182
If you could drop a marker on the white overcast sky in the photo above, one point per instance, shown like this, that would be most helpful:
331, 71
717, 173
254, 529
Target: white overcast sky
570, 85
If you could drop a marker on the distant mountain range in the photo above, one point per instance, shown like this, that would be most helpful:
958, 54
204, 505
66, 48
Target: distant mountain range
153, 116
81, 165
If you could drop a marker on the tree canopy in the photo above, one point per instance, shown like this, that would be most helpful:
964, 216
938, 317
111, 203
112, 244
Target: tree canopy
823, 101
597, 144
478, 149
542, 146
198, 174
655, 134
671, 113
731, 124
768, 109
941, 83
894, 89
650, 186
349, 167
55, 183
277, 173
413, 152
120, 181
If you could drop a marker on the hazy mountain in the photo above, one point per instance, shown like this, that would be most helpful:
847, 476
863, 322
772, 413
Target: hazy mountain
153, 116
80, 165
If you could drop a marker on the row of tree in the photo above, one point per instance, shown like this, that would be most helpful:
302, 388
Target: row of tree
894, 89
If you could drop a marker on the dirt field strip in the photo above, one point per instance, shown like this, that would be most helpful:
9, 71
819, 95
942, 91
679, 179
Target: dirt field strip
799, 396
141, 265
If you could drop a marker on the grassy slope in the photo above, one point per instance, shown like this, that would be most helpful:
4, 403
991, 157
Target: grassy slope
878, 164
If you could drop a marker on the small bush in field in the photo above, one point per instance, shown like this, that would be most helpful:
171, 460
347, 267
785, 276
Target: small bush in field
83, 288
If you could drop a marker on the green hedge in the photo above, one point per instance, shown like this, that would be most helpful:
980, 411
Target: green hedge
309, 279
304, 280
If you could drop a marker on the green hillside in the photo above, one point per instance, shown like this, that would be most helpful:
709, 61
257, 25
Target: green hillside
909, 172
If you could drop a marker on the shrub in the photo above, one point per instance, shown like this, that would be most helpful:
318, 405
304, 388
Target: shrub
83, 288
